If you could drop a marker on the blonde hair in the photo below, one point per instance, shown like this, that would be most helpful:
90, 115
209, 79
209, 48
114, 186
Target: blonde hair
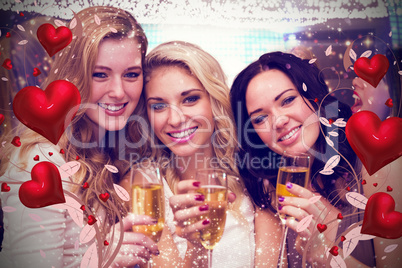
209, 73
75, 63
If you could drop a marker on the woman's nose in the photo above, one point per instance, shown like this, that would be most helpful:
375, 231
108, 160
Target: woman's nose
176, 116
116, 89
280, 121
358, 83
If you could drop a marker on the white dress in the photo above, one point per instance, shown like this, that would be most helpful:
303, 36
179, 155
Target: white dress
40, 237
236, 249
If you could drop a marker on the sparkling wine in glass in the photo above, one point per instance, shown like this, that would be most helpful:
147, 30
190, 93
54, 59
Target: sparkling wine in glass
294, 169
214, 188
147, 198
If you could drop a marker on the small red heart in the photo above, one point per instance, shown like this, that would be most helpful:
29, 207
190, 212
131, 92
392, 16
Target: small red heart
375, 184
7, 64
2, 118
340, 217
104, 197
16, 141
36, 72
389, 189
91, 220
85, 185
21, 14
376, 143
389, 103
50, 153
371, 71
106, 243
47, 112
8, 35
321, 227
77, 157
334, 251
348, 188
364, 182
315, 100
343, 238
330, 121
61, 151
5, 187
36, 158
380, 218
82, 207
44, 189
54, 40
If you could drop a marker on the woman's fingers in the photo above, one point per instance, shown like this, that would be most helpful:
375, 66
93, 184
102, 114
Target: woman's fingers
191, 232
141, 240
182, 216
130, 255
298, 190
187, 185
132, 219
183, 201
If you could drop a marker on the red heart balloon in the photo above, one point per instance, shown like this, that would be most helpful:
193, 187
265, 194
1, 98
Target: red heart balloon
380, 218
334, 251
5, 187
36, 72
321, 227
2, 118
104, 197
91, 220
16, 141
54, 40
7, 64
44, 189
371, 71
376, 143
50, 111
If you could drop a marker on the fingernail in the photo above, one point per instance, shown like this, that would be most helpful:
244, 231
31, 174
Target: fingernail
279, 207
234, 195
205, 222
199, 197
157, 253
154, 221
289, 185
203, 208
196, 184
281, 199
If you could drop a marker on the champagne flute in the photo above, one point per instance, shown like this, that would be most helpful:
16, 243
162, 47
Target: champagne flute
214, 188
293, 168
147, 198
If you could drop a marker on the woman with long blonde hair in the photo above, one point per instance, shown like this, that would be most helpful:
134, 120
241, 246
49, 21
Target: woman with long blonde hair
187, 102
104, 61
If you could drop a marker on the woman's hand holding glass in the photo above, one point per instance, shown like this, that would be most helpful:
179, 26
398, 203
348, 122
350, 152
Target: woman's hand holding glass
136, 248
298, 207
187, 204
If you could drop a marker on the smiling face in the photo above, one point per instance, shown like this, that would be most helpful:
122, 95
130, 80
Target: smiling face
179, 110
116, 83
369, 98
279, 114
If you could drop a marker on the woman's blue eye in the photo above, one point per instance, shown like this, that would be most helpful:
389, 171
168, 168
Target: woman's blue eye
259, 119
158, 106
99, 75
191, 99
132, 75
288, 100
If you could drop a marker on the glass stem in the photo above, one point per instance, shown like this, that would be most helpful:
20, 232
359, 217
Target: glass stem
282, 247
209, 256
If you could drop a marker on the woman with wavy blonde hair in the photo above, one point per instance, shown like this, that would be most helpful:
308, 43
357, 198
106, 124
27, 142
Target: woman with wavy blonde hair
187, 102
104, 61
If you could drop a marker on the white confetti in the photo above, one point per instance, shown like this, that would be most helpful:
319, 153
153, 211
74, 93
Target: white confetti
21, 28
312, 61
4, 79
328, 51
23, 42
304, 87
